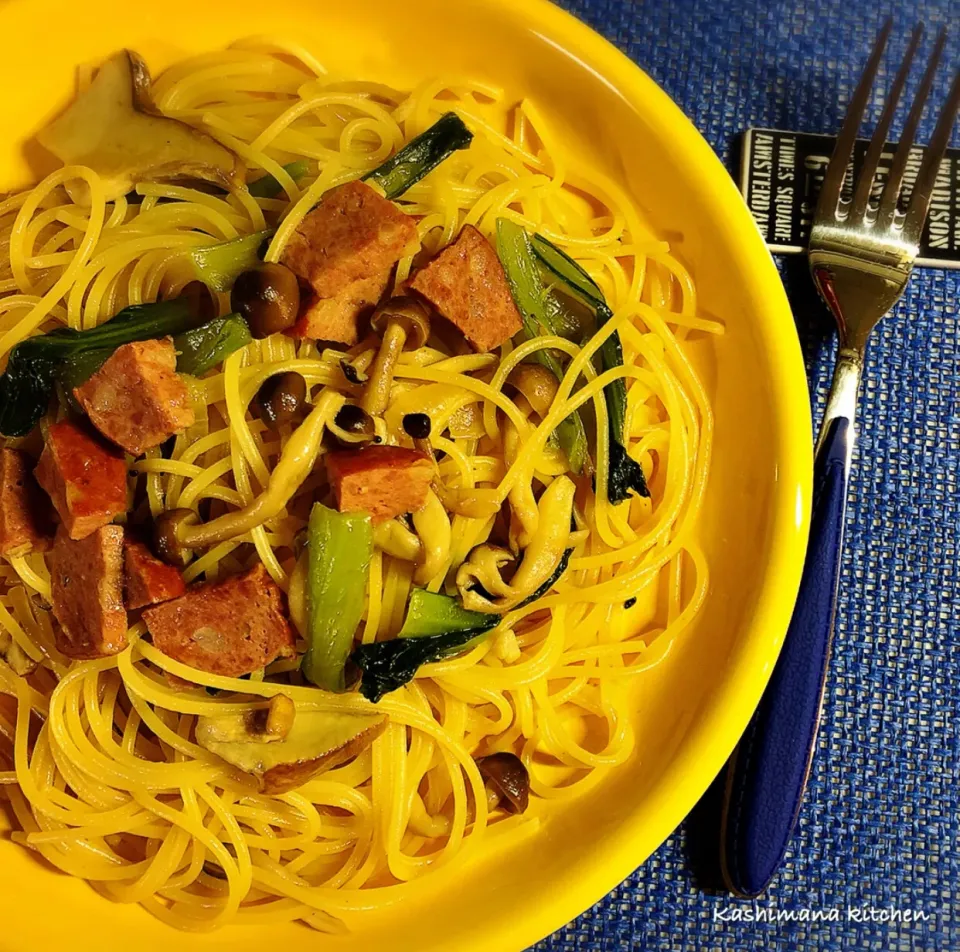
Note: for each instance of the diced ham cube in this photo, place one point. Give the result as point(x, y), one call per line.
point(85, 478)
point(385, 481)
point(25, 515)
point(337, 319)
point(147, 580)
point(344, 251)
point(86, 579)
point(137, 399)
point(228, 628)
point(467, 285)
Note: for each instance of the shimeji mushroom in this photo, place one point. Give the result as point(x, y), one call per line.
point(281, 399)
point(353, 425)
point(507, 779)
point(400, 321)
point(114, 128)
point(179, 530)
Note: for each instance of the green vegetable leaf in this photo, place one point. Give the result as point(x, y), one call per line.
point(25, 389)
point(625, 474)
point(436, 627)
point(523, 275)
point(571, 273)
point(339, 548)
point(210, 344)
point(31, 375)
point(268, 187)
point(429, 613)
point(388, 665)
point(421, 155)
point(219, 265)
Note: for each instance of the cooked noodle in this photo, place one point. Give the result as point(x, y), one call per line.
point(106, 782)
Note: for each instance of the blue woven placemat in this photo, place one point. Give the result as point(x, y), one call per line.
point(879, 834)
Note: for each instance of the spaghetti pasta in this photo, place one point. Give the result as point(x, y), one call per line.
point(103, 774)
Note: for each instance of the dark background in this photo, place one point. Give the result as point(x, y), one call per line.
point(881, 823)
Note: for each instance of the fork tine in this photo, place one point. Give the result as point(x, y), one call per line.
point(864, 186)
point(927, 176)
point(891, 192)
point(837, 169)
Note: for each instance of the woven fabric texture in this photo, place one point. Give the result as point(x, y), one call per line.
point(879, 833)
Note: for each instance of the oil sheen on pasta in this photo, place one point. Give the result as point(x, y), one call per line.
point(105, 782)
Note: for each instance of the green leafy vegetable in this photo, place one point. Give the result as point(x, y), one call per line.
point(268, 187)
point(431, 614)
point(339, 548)
point(625, 472)
point(31, 375)
point(209, 345)
point(523, 275)
point(436, 627)
point(219, 265)
point(389, 665)
point(565, 268)
point(421, 155)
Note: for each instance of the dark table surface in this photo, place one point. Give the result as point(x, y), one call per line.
point(877, 851)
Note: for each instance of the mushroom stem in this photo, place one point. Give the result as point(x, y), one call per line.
point(402, 321)
point(280, 715)
point(376, 394)
point(433, 526)
point(397, 541)
point(425, 446)
point(295, 463)
point(525, 514)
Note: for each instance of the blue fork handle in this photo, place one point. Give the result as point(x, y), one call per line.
point(768, 772)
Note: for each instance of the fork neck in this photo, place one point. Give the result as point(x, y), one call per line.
point(844, 393)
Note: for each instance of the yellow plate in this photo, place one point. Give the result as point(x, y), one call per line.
point(694, 706)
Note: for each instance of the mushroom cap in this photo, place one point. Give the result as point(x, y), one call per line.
point(166, 535)
point(114, 128)
point(506, 773)
point(408, 312)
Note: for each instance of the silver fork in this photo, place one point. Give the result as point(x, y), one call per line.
point(861, 254)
